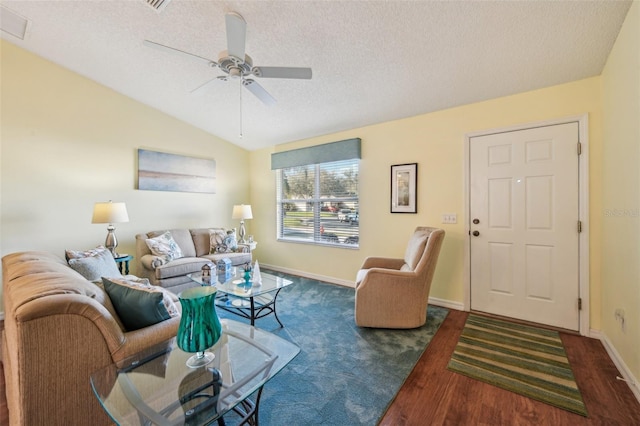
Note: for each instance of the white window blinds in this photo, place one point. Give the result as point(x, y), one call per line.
point(318, 202)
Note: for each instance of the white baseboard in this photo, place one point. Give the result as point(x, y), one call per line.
point(458, 306)
point(304, 274)
point(627, 376)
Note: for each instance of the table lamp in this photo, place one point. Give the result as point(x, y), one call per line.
point(199, 327)
point(110, 213)
point(242, 212)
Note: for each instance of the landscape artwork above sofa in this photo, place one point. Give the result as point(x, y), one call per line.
point(161, 171)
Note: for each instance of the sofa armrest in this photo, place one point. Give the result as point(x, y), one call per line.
point(139, 340)
point(74, 304)
point(243, 248)
point(151, 262)
point(382, 262)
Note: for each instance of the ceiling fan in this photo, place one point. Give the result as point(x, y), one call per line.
point(236, 64)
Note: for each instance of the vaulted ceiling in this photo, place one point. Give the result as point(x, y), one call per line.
point(372, 61)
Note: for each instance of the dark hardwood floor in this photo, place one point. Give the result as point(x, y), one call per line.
point(432, 395)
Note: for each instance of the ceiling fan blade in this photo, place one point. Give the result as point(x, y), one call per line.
point(200, 90)
point(258, 91)
point(282, 72)
point(236, 34)
point(168, 49)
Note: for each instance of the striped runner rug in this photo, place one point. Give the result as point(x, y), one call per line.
point(527, 360)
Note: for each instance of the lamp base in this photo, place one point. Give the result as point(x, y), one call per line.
point(200, 359)
point(111, 242)
point(243, 232)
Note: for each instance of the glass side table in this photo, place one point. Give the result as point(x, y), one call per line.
point(157, 387)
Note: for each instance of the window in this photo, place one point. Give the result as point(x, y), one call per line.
point(317, 193)
point(318, 203)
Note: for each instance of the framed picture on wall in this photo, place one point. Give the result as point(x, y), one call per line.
point(404, 188)
point(162, 171)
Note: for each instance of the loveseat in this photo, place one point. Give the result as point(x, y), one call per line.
point(196, 247)
point(59, 327)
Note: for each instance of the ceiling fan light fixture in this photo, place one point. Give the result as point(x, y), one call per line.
point(235, 73)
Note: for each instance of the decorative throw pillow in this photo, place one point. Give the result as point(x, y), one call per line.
point(78, 254)
point(231, 241)
point(216, 241)
point(139, 304)
point(165, 246)
point(94, 267)
point(221, 241)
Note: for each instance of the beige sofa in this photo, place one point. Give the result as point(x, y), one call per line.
point(195, 245)
point(58, 329)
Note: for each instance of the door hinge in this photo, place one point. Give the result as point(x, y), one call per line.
point(579, 226)
point(579, 148)
point(579, 303)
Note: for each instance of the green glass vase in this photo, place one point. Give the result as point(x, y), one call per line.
point(199, 327)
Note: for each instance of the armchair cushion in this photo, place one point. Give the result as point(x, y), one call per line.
point(139, 304)
point(415, 250)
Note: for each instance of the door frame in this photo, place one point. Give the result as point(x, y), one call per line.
point(583, 206)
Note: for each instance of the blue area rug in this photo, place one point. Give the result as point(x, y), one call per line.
point(344, 374)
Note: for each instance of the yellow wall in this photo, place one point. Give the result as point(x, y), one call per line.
point(68, 142)
point(436, 142)
point(621, 192)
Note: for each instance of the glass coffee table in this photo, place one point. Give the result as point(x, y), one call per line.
point(252, 301)
point(157, 387)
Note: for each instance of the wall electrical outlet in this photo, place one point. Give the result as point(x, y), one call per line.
point(619, 315)
point(449, 218)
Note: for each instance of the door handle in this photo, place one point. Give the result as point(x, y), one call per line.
point(476, 233)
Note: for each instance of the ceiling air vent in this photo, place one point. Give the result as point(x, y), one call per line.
point(12, 23)
point(158, 5)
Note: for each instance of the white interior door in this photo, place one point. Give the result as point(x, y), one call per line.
point(524, 259)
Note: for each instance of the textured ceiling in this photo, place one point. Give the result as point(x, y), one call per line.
point(372, 61)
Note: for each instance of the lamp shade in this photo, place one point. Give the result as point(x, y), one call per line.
point(110, 213)
point(242, 212)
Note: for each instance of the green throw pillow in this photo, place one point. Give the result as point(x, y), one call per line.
point(139, 305)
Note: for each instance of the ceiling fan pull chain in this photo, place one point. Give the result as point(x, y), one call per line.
point(240, 86)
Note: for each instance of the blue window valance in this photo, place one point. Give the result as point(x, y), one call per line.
point(326, 153)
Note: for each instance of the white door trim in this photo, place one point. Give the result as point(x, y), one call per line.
point(583, 168)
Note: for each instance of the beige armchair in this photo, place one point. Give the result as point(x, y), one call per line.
point(394, 293)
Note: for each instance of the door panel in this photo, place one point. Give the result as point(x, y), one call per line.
point(501, 255)
point(524, 192)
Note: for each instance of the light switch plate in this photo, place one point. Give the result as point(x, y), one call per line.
point(449, 218)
